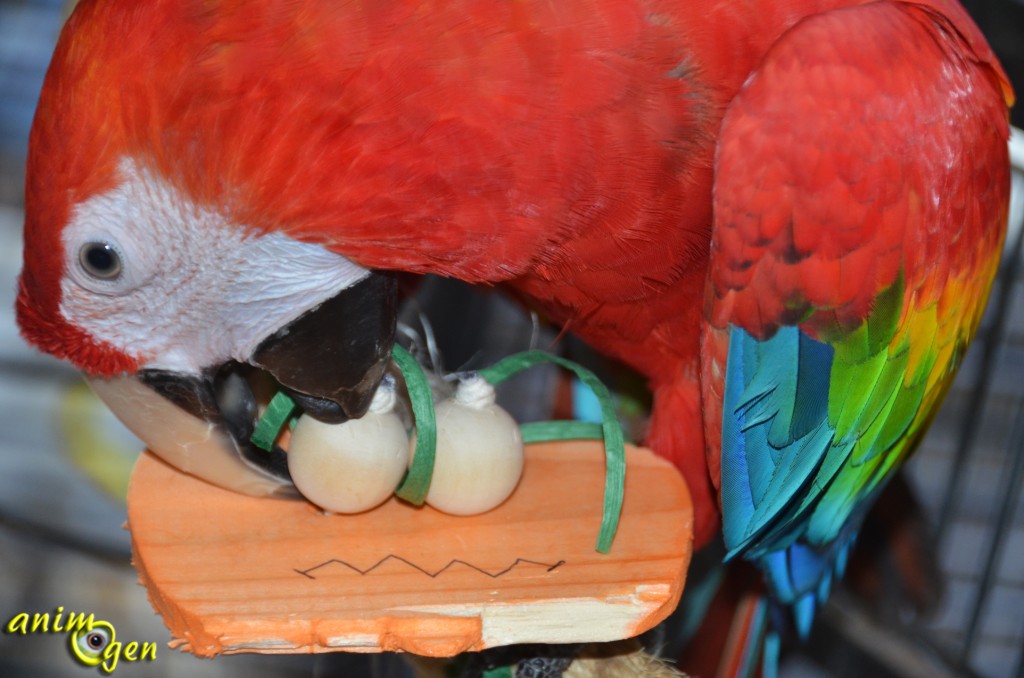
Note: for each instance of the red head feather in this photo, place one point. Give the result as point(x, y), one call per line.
point(72, 155)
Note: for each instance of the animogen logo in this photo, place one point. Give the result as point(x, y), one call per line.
point(93, 642)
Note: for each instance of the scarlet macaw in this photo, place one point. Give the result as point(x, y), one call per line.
point(786, 214)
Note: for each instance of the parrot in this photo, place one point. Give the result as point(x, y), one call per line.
point(786, 215)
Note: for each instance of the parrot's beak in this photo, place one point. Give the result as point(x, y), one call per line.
point(330, 360)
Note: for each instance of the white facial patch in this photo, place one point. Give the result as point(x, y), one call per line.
point(191, 290)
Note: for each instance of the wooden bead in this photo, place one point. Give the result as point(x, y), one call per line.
point(354, 466)
point(479, 456)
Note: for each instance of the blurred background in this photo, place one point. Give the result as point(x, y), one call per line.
point(937, 588)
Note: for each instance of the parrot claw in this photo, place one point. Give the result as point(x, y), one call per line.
point(330, 360)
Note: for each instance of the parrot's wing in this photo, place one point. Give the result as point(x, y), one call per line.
point(860, 197)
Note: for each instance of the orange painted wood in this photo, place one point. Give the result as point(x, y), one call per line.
point(231, 573)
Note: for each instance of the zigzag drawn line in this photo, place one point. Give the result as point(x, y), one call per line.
point(432, 575)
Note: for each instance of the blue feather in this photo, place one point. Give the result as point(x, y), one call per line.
point(803, 614)
point(772, 652)
point(768, 455)
point(779, 455)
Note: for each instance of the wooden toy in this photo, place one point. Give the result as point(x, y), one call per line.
point(233, 573)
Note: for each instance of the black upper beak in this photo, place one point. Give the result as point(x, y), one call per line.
point(332, 358)
point(330, 361)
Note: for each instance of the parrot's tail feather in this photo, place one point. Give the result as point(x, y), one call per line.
point(740, 630)
point(746, 641)
point(801, 578)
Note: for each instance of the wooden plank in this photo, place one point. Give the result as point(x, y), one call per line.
point(231, 573)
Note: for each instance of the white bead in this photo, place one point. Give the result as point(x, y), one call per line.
point(479, 457)
point(350, 467)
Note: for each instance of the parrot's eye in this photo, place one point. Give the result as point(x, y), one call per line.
point(100, 260)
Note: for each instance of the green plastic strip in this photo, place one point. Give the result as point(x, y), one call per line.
point(417, 480)
point(499, 672)
point(547, 431)
point(278, 413)
point(614, 442)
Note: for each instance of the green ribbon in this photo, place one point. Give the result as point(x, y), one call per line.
point(278, 413)
point(611, 431)
point(549, 431)
point(414, 486)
